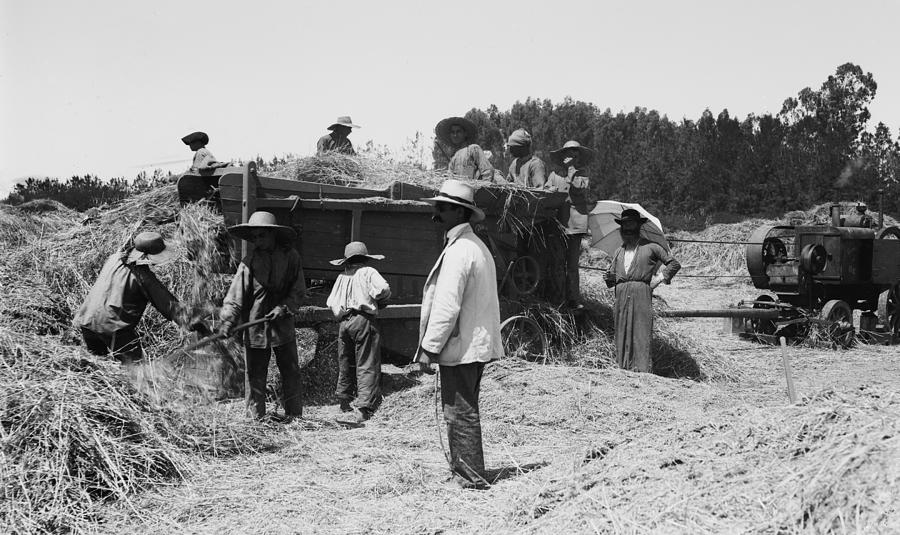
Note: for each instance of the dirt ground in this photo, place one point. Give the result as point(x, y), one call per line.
point(576, 450)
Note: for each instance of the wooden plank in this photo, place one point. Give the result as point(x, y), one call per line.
point(248, 199)
point(356, 224)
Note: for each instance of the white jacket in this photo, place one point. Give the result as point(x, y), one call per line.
point(460, 309)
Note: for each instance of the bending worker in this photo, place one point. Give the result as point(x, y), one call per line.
point(117, 300)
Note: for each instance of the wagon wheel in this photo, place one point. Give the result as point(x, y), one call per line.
point(523, 337)
point(525, 275)
point(839, 331)
point(889, 233)
point(761, 326)
point(889, 311)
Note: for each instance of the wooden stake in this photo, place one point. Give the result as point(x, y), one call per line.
point(788, 375)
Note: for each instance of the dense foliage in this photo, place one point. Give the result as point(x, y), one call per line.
point(816, 149)
point(83, 192)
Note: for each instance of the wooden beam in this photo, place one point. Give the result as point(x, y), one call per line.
point(248, 199)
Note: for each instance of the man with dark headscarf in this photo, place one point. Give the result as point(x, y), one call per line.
point(526, 169)
point(633, 273)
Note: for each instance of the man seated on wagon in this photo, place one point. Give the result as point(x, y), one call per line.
point(337, 140)
point(458, 151)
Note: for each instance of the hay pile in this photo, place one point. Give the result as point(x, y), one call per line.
point(78, 431)
point(826, 466)
point(367, 171)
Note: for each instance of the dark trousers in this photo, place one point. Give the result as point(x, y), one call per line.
point(359, 361)
point(257, 369)
point(124, 345)
point(460, 386)
point(573, 258)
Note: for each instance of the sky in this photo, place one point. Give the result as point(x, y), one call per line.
point(109, 87)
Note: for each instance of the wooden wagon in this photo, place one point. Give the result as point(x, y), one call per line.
point(395, 222)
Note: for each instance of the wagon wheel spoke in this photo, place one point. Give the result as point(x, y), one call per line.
point(523, 337)
point(525, 275)
point(839, 331)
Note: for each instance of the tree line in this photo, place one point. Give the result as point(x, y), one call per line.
point(816, 149)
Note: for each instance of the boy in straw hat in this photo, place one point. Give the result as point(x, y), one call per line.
point(460, 325)
point(269, 284)
point(357, 295)
point(573, 158)
point(337, 139)
point(203, 158)
point(117, 300)
point(457, 151)
point(633, 274)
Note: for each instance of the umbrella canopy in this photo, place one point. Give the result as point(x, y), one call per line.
point(605, 233)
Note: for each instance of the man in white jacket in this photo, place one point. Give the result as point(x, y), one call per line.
point(460, 325)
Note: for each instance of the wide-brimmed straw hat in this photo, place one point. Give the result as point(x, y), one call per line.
point(196, 136)
point(356, 248)
point(442, 130)
point(519, 138)
point(458, 192)
point(630, 214)
point(585, 155)
point(343, 120)
point(265, 221)
point(150, 248)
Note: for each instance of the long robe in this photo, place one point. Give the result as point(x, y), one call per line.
point(633, 312)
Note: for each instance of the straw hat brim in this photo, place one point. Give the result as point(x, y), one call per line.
point(243, 230)
point(585, 155)
point(341, 261)
point(142, 259)
point(477, 213)
point(442, 130)
point(348, 125)
point(620, 221)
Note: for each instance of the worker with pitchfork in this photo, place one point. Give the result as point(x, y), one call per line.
point(459, 327)
point(269, 284)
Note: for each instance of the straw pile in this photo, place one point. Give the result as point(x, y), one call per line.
point(826, 466)
point(74, 432)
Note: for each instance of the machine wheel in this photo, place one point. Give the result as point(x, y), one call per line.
point(523, 337)
point(889, 233)
point(763, 326)
point(525, 275)
point(889, 311)
point(839, 331)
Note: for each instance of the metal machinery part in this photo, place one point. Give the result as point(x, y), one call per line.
point(888, 233)
point(763, 326)
point(889, 311)
point(523, 337)
point(838, 328)
point(763, 250)
point(525, 275)
point(813, 258)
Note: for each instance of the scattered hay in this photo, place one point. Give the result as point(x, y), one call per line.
point(78, 431)
point(826, 466)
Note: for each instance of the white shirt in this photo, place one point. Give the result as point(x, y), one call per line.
point(358, 288)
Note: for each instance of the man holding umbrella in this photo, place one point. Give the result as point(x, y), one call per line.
point(633, 273)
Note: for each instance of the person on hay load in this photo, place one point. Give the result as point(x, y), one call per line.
point(269, 283)
point(459, 327)
point(526, 169)
point(337, 140)
point(633, 273)
point(203, 158)
point(572, 159)
point(357, 295)
point(115, 303)
point(456, 138)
